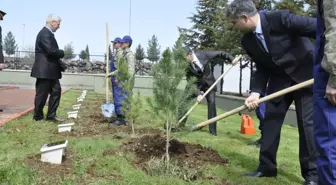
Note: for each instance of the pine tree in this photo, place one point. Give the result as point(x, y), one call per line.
point(88, 53)
point(211, 29)
point(153, 50)
point(139, 56)
point(10, 45)
point(167, 98)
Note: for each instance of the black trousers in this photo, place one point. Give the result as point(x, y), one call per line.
point(43, 88)
point(274, 117)
point(212, 112)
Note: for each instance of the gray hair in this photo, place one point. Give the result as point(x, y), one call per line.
point(53, 17)
point(239, 7)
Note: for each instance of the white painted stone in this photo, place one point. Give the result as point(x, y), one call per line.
point(53, 154)
point(65, 127)
point(73, 115)
point(76, 107)
point(80, 100)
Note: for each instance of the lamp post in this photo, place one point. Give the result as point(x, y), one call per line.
point(129, 21)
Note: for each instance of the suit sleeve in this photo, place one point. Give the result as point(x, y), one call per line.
point(51, 50)
point(329, 59)
point(218, 57)
point(298, 25)
point(261, 76)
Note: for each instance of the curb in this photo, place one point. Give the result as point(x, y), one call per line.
point(25, 112)
point(8, 88)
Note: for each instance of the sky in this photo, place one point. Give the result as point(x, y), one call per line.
point(84, 23)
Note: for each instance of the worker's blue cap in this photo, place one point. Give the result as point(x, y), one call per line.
point(126, 39)
point(116, 40)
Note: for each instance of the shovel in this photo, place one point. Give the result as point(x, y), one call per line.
point(261, 100)
point(234, 62)
point(107, 109)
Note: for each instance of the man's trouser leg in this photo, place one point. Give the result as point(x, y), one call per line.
point(212, 112)
point(324, 129)
point(274, 116)
point(42, 89)
point(307, 149)
point(54, 98)
point(119, 98)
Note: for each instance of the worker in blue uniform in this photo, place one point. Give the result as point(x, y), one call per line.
point(325, 91)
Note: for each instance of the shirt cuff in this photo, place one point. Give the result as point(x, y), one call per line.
point(332, 81)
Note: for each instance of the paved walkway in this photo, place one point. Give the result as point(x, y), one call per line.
point(15, 102)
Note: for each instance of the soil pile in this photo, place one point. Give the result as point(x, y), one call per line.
point(155, 146)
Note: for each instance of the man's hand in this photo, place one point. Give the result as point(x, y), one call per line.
point(200, 97)
point(331, 95)
point(252, 101)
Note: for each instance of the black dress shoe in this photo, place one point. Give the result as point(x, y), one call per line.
point(257, 142)
point(118, 122)
point(55, 119)
point(309, 182)
point(261, 174)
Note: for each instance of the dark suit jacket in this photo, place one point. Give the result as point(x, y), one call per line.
point(286, 35)
point(47, 56)
point(209, 59)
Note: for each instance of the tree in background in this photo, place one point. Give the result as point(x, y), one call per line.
point(83, 55)
point(153, 50)
point(69, 51)
point(10, 45)
point(139, 56)
point(87, 52)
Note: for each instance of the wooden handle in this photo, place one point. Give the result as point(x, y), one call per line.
point(107, 64)
point(234, 62)
point(261, 100)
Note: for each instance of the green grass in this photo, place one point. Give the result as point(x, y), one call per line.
point(23, 137)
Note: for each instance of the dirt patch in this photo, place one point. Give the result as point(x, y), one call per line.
point(154, 146)
point(51, 172)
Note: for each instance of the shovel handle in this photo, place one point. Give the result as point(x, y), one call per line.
point(234, 62)
point(261, 100)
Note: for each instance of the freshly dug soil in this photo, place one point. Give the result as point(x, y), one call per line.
point(149, 146)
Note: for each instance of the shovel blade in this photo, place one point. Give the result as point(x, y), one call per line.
point(108, 110)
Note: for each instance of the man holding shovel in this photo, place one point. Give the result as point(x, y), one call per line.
point(201, 66)
point(325, 91)
point(277, 41)
point(114, 66)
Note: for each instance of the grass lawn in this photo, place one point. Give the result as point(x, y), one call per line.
point(89, 162)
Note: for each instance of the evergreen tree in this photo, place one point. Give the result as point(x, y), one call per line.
point(167, 98)
point(10, 45)
point(211, 29)
point(83, 55)
point(139, 56)
point(87, 52)
point(153, 50)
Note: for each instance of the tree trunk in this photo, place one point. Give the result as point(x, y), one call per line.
point(167, 144)
point(240, 77)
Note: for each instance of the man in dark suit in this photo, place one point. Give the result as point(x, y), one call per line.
point(277, 41)
point(47, 70)
point(201, 66)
